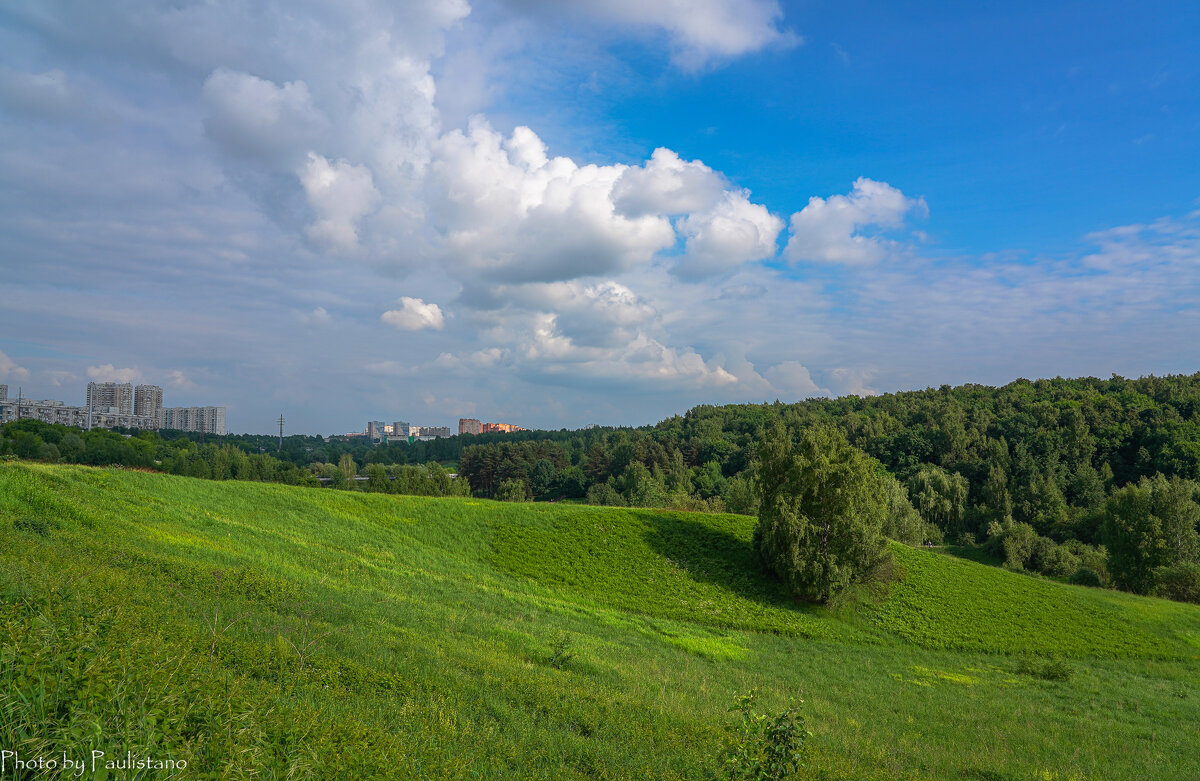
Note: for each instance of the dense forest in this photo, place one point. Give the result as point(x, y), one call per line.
point(1084, 478)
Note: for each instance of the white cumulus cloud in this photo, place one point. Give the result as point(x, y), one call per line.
point(414, 315)
point(340, 194)
point(667, 184)
point(831, 230)
point(110, 373)
point(253, 117)
point(176, 378)
point(9, 369)
point(511, 214)
point(734, 232)
point(700, 31)
point(792, 379)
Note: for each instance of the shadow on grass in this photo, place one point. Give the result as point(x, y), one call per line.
point(717, 557)
point(974, 553)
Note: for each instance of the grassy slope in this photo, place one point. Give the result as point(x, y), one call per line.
point(442, 613)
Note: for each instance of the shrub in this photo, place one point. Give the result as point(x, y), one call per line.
point(605, 494)
point(561, 652)
point(1055, 560)
point(35, 525)
point(741, 493)
point(1018, 542)
point(1180, 582)
point(1050, 670)
point(765, 747)
point(1055, 670)
point(512, 491)
point(1085, 576)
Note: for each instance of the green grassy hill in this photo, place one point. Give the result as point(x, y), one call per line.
point(264, 631)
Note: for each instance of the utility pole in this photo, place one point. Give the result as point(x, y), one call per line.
point(19, 402)
point(281, 432)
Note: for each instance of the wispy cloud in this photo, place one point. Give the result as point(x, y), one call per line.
point(9, 369)
point(109, 373)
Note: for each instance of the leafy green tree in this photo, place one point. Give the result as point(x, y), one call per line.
point(542, 477)
point(71, 445)
point(377, 478)
point(572, 483)
point(1048, 507)
point(1085, 576)
point(903, 523)
point(1134, 537)
point(1085, 488)
point(822, 510)
point(605, 494)
point(741, 492)
point(349, 469)
point(641, 487)
point(512, 491)
point(1150, 525)
point(27, 444)
point(709, 481)
point(765, 746)
point(1015, 542)
point(1180, 582)
point(940, 497)
point(1177, 503)
point(996, 504)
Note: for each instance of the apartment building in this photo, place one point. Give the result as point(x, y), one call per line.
point(110, 397)
point(206, 420)
point(148, 401)
point(49, 411)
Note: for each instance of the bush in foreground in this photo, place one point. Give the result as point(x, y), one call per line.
point(765, 747)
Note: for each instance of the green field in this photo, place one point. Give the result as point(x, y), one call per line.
point(263, 631)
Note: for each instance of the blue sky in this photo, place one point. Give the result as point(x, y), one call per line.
point(558, 214)
point(1027, 124)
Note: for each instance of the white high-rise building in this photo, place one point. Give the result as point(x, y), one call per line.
point(206, 420)
point(110, 397)
point(148, 401)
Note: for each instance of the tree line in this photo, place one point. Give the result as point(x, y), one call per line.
point(1084, 479)
point(1090, 479)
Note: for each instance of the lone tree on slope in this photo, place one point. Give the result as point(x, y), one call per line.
point(821, 514)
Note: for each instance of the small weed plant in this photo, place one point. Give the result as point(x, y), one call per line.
point(765, 747)
point(561, 651)
point(1049, 670)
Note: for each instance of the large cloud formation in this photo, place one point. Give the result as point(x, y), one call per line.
point(510, 213)
point(218, 168)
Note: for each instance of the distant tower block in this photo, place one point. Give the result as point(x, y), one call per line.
point(148, 401)
point(114, 396)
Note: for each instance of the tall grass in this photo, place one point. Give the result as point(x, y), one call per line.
point(262, 631)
